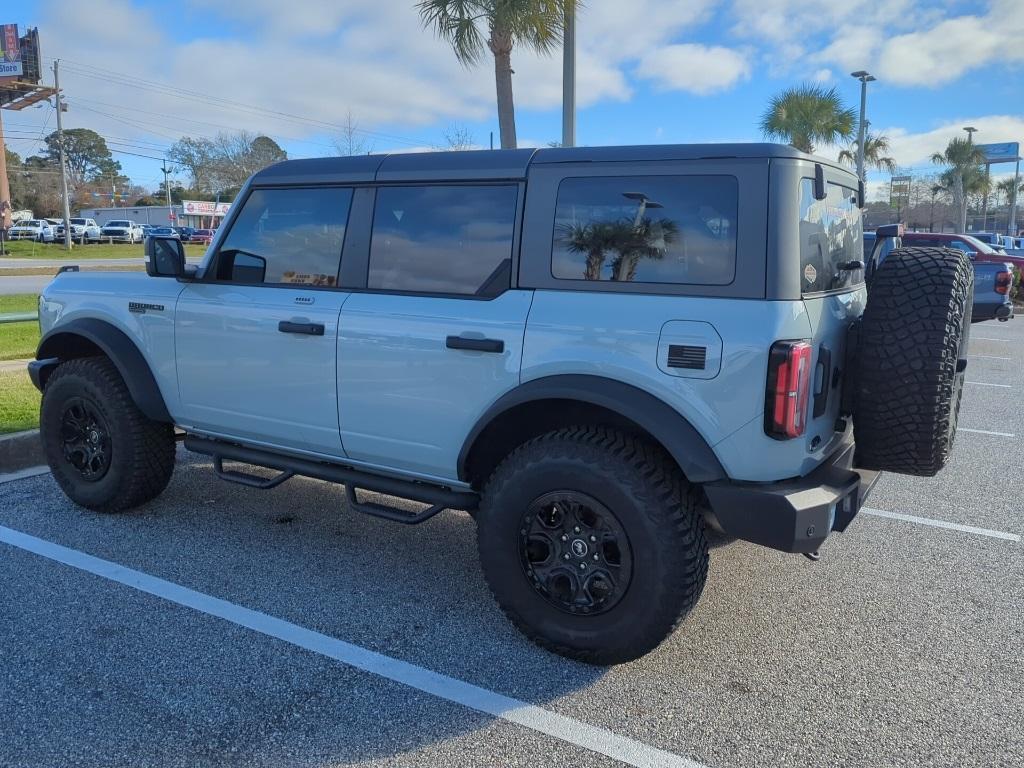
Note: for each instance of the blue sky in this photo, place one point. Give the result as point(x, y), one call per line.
point(143, 73)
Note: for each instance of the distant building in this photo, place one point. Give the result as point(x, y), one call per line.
point(199, 214)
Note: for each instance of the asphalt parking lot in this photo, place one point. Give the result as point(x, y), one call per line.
point(225, 626)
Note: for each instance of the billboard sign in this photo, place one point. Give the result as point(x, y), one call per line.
point(899, 191)
point(10, 51)
point(204, 208)
point(1007, 152)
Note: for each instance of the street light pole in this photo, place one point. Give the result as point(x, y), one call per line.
point(864, 78)
point(63, 163)
point(569, 76)
point(167, 188)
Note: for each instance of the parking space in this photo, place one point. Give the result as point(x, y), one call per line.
point(901, 647)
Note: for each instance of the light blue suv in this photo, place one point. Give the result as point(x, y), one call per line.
point(599, 353)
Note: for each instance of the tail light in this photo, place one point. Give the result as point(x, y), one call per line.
point(788, 390)
point(1003, 282)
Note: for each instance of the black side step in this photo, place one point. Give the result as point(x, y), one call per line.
point(438, 497)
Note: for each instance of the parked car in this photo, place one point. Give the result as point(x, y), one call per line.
point(163, 232)
point(969, 244)
point(39, 230)
point(988, 238)
point(204, 236)
point(993, 281)
point(600, 351)
point(185, 233)
point(82, 230)
point(122, 231)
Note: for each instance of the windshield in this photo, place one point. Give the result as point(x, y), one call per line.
point(117, 224)
point(30, 223)
point(78, 221)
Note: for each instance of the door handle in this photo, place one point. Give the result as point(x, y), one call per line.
point(476, 345)
point(312, 329)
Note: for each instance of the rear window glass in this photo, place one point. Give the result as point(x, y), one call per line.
point(831, 237)
point(646, 229)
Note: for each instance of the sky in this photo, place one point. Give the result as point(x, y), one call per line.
point(144, 73)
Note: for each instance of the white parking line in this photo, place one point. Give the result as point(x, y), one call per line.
point(985, 432)
point(989, 338)
point(990, 357)
point(986, 384)
point(941, 524)
point(536, 718)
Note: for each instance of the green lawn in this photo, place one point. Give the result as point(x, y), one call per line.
point(23, 249)
point(19, 402)
point(18, 341)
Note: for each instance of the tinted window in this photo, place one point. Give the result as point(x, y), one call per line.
point(646, 229)
point(443, 239)
point(296, 233)
point(830, 236)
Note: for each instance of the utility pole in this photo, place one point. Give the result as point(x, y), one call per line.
point(569, 76)
point(167, 187)
point(6, 205)
point(1011, 228)
point(864, 78)
point(63, 163)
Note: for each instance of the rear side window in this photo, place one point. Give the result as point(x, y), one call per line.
point(453, 239)
point(646, 229)
point(287, 237)
point(831, 236)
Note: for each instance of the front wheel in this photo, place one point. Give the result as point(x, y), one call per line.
point(103, 451)
point(591, 543)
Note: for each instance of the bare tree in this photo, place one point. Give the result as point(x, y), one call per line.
point(457, 137)
point(352, 139)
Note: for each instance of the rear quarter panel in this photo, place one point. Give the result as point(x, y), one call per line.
point(616, 336)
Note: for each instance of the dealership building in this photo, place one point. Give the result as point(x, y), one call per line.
point(198, 214)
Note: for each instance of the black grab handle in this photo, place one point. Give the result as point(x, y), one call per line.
point(313, 329)
point(477, 345)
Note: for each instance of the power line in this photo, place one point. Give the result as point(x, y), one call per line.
point(110, 76)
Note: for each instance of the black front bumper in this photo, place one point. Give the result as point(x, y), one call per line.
point(793, 515)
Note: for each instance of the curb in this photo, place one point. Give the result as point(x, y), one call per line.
point(21, 450)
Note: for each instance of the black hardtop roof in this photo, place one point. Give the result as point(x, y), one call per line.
point(502, 163)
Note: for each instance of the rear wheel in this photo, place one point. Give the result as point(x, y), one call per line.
point(591, 543)
point(103, 452)
point(911, 357)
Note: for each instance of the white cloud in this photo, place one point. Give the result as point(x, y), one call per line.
point(905, 42)
point(914, 150)
point(695, 68)
point(823, 76)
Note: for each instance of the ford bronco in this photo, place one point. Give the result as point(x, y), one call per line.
point(599, 353)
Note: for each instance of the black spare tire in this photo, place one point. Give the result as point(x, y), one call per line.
point(910, 360)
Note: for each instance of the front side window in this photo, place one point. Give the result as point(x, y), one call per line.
point(646, 229)
point(287, 237)
point(831, 237)
point(454, 239)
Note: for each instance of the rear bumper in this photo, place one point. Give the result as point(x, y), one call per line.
point(793, 515)
point(995, 309)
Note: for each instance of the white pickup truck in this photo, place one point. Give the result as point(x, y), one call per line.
point(82, 230)
point(122, 231)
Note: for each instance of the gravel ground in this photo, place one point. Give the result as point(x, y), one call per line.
point(901, 647)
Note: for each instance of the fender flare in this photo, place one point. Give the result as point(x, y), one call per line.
point(116, 345)
point(665, 424)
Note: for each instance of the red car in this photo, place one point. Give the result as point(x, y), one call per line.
point(203, 236)
point(978, 250)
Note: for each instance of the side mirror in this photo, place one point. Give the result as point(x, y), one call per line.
point(165, 257)
point(820, 192)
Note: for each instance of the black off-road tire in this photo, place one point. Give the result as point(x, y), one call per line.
point(140, 451)
point(911, 356)
point(651, 502)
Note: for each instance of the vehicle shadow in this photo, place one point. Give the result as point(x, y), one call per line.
point(414, 593)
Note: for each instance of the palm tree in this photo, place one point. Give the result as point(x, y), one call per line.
point(595, 240)
point(644, 240)
point(473, 26)
point(807, 115)
point(1005, 188)
point(963, 174)
point(875, 148)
